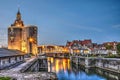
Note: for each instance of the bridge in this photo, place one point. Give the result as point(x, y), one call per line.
point(58, 55)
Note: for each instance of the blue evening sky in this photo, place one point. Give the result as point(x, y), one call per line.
point(62, 20)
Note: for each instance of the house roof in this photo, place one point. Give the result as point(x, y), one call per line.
point(9, 53)
point(84, 42)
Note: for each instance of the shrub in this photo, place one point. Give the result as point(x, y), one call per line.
point(5, 78)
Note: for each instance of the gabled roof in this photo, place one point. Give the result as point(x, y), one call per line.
point(84, 42)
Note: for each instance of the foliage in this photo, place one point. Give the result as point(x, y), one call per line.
point(109, 47)
point(118, 48)
point(112, 56)
point(5, 78)
point(92, 55)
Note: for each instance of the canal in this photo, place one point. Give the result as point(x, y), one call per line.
point(65, 70)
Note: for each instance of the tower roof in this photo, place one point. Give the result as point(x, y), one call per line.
point(18, 16)
point(18, 22)
point(18, 11)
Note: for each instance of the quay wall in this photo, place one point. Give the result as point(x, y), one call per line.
point(30, 70)
point(106, 74)
point(110, 64)
point(36, 65)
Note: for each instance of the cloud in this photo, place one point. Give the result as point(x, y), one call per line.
point(116, 26)
point(90, 28)
point(96, 29)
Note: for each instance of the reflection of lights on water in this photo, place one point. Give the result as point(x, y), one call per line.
point(49, 67)
point(64, 64)
point(51, 60)
point(58, 64)
point(68, 63)
point(63, 70)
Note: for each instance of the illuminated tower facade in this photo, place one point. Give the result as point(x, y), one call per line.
point(30, 38)
point(21, 37)
point(15, 33)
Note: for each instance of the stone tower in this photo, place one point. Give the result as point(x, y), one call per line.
point(15, 33)
point(31, 38)
point(21, 37)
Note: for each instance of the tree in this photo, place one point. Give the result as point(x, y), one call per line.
point(118, 48)
point(109, 47)
point(109, 53)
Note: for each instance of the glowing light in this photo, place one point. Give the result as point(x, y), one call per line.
point(31, 39)
point(18, 24)
point(86, 51)
point(24, 49)
point(78, 51)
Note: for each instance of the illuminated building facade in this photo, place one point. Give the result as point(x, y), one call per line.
point(21, 37)
point(79, 47)
point(30, 38)
point(52, 49)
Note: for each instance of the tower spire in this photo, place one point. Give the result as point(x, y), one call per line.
point(18, 22)
point(18, 16)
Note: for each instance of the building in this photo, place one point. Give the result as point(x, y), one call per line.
point(29, 43)
point(52, 49)
point(105, 48)
point(10, 57)
point(21, 37)
point(110, 45)
point(79, 47)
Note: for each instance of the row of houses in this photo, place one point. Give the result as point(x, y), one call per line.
point(88, 47)
point(81, 47)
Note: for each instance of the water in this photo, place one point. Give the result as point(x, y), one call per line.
point(66, 71)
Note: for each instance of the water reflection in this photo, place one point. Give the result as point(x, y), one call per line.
point(66, 71)
point(56, 65)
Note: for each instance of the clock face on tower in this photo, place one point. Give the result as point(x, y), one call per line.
point(11, 34)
